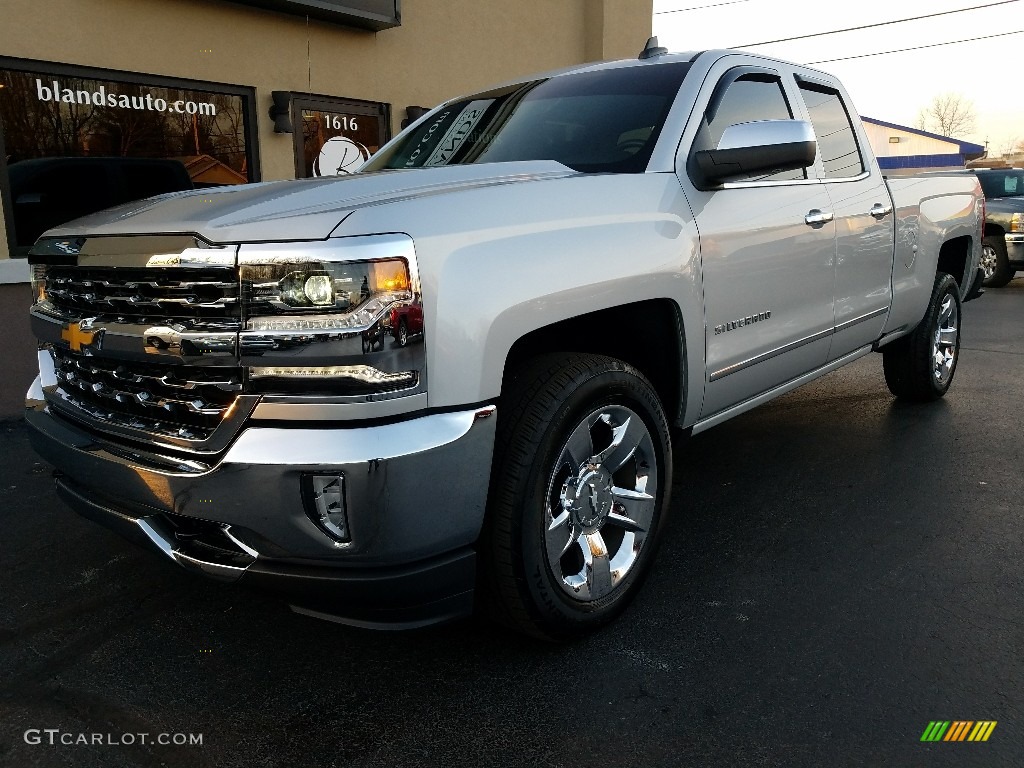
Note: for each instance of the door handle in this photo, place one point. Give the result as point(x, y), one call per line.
point(880, 211)
point(816, 218)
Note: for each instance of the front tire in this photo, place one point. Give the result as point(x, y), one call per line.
point(579, 487)
point(921, 365)
point(995, 264)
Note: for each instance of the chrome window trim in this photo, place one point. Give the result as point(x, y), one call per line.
point(760, 184)
point(791, 183)
point(847, 179)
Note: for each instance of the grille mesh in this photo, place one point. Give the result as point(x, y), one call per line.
point(177, 401)
point(146, 294)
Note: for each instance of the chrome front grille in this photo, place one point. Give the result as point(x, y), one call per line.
point(145, 294)
point(171, 400)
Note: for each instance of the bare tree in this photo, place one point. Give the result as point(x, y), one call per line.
point(948, 114)
point(1010, 145)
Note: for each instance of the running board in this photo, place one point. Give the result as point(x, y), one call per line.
point(782, 389)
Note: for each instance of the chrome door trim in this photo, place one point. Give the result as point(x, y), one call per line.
point(737, 367)
point(848, 323)
point(764, 397)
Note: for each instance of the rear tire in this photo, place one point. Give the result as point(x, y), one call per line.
point(994, 262)
point(920, 366)
point(579, 488)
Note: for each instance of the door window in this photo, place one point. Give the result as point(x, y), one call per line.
point(837, 141)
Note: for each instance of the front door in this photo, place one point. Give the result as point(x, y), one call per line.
point(767, 257)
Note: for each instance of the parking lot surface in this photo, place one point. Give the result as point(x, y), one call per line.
point(839, 571)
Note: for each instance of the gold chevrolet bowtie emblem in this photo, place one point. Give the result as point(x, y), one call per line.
point(77, 337)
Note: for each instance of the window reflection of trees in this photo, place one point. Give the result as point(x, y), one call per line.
point(34, 128)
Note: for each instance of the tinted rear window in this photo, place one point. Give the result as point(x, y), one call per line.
point(1009, 184)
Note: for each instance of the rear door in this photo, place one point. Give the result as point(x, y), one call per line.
point(864, 218)
point(767, 250)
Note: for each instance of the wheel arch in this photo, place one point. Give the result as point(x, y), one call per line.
point(649, 335)
point(954, 259)
point(993, 230)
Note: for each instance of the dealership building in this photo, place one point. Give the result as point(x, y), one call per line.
point(104, 101)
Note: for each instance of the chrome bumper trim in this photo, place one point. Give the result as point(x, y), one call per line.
point(155, 533)
point(329, 447)
point(402, 498)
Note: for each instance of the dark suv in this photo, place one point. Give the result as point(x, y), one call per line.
point(1003, 251)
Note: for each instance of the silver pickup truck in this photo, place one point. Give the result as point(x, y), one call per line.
point(592, 258)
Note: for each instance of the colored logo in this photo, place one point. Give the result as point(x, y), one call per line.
point(77, 336)
point(958, 730)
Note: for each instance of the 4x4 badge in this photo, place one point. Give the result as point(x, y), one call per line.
point(79, 335)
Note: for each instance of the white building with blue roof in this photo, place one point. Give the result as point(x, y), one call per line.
point(902, 150)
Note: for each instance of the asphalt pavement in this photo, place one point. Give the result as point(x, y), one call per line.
point(839, 571)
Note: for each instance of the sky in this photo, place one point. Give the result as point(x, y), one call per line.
point(893, 87)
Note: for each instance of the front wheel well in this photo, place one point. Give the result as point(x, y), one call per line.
point(648, 335)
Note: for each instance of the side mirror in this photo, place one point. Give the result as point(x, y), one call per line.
point(764, 146)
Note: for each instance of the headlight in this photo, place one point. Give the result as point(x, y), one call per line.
point(317, 317)
point(1017, 222)
point(323, 295)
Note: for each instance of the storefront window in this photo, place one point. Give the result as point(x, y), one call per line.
point(75, 144)
point(338, 135)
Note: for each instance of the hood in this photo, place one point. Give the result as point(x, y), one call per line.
point(306, 209)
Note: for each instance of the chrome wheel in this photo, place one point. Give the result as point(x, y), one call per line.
point(403, 334)
point(944, 344)
point(600, 502)
point(989, 260)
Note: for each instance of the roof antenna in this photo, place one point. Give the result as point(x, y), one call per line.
point(652, 49)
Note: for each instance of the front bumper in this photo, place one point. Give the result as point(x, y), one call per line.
point(415, 494)
point(1015, 250)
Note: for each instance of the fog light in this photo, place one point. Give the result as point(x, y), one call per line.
point(325, 504)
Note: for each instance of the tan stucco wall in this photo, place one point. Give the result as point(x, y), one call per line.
point(441, 49)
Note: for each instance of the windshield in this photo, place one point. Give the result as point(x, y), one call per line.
point(1002, 184)
point(603, 121)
